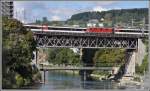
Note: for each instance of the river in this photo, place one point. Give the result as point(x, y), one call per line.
point(64, 80)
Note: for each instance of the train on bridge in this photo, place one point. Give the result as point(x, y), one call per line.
point(45, 28)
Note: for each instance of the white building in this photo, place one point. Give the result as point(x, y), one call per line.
point(94, 23)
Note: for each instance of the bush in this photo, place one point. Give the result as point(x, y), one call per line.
point(37, 77)
point(109, 57)
point(63, 56)
point(137, 79)
point(143, 67)
point(101, 72)
point(6, 83)
point(27, 81)
point(19, 80)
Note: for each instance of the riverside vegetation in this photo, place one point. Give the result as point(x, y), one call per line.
point(91, 57)
point(17, 48)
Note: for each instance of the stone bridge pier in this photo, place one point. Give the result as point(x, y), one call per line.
point(134, 56)
point(130, 59)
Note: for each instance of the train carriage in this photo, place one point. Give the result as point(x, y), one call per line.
point(45, 28)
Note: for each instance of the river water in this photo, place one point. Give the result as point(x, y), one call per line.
point(64, 80)
point(56, 80)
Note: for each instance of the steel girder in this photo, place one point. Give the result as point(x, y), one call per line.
point(85, 41)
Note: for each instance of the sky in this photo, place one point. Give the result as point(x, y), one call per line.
point(29, 11)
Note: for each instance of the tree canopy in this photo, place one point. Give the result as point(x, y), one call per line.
point(109, 57)
point(63, 56)
point(17, 48)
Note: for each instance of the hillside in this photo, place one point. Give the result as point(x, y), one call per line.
point(115, 16)
point(122, 17)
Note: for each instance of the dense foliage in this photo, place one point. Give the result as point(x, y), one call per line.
point(143, 68)
point(64, 56)
point(109, 57)
point(90, 57)
point(17, 48)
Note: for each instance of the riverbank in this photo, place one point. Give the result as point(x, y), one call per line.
point(129, 82)
point(98, 77)
point(71, 72)
point(125, 82)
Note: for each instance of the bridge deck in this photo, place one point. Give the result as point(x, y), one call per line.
point(91, 34)
point(75, 68)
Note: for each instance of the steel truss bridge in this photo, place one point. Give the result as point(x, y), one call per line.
point(86, 40)
point(89, 40)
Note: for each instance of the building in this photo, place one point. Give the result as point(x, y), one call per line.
point(7, 8)
point(94, 23)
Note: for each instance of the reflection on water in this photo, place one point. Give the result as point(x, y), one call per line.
point(63, 80)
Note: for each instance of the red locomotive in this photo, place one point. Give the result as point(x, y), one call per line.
point(100, 30)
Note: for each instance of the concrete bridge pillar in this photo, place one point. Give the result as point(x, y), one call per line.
point(133, 57)
point(130, 62)
point(81, 53)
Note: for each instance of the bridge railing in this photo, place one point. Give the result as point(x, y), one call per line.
point(67, 65)
point(102, 64)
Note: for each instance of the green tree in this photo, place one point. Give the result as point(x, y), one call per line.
point(109, 57)
point(17, 48)
point(141, 69)
point(63, 56)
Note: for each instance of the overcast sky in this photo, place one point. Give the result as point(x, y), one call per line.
point(29, 11)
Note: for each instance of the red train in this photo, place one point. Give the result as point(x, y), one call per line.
point(46, 28)
point(100, 30)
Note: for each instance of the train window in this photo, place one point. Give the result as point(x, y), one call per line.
point(146, 31)
point(130, 31)
point(32, 27)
